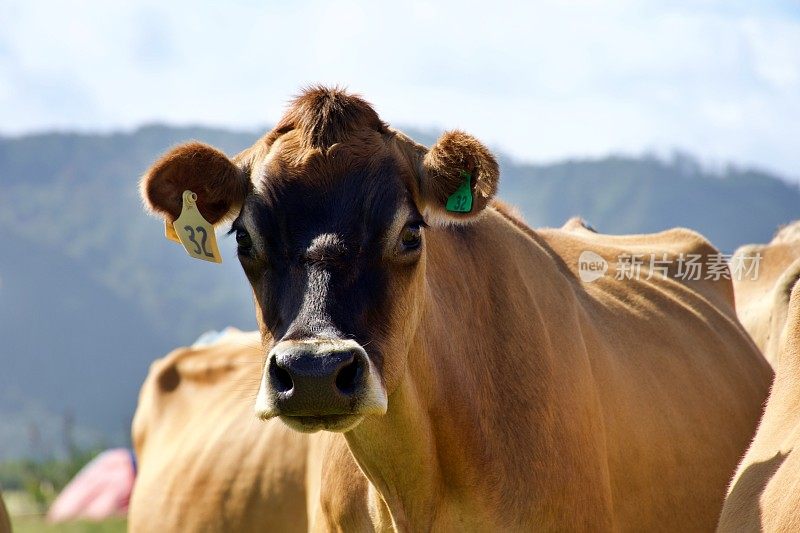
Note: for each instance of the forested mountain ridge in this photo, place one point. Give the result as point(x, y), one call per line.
point(91, 292)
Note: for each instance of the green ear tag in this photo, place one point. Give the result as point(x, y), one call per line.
point(461, 200)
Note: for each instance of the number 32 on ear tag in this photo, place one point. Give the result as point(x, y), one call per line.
point(195, 233)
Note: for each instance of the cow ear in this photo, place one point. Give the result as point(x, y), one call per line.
point(459, 177)
point(220, 185)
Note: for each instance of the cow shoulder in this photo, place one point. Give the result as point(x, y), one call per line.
point(788, 233)
point(170, 377)
point(205, 461)
point(630, 257)
point(578, 224)
point(762, 295)
point(763, 494)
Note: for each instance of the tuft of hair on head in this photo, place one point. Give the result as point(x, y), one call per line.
point(328, 115)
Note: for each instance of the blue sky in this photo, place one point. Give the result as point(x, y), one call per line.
point(541, 80)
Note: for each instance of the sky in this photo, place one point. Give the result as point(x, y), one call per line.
point(540, 80)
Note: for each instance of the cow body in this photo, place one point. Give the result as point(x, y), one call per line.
point(762, 300)
point(764, 495)
point(479, 383)
point(596, 408)
point(207, 464)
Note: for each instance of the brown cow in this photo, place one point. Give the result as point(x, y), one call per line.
point(5, 521)
point(764, 494)
point(762, 300)
point(480, 385)
point(207, 464)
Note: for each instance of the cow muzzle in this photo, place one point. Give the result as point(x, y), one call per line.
point(320, 384)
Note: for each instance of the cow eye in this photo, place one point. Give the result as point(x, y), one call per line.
point(411, 237)
point(243, 240)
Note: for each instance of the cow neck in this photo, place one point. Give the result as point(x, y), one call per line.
point(422, 455)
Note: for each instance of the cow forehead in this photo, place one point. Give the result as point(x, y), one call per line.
point(351, 176)
point(290, 158)
point(357, 205)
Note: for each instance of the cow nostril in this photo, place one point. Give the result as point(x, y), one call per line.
point(349, 376)
point(281, 379)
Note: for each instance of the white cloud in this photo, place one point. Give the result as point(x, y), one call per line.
point(543, 80)
point(775, 45)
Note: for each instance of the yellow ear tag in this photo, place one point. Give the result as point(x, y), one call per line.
point(195, 233)
point(169, 232)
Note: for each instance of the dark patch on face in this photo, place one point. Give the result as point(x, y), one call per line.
point(169, 379)
point(341, 286)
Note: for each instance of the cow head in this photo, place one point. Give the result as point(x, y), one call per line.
point(331, 209)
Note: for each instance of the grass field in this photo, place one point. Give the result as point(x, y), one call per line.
point(37, 524)
point(27, 517)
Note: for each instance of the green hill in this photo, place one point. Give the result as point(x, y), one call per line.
point(627, 195)
point(91, 292)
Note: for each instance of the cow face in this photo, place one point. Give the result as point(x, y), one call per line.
point(331, 210)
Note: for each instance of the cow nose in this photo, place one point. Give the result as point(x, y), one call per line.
point(307, 383)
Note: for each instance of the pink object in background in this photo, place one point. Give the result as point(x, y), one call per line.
point(100, 490)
